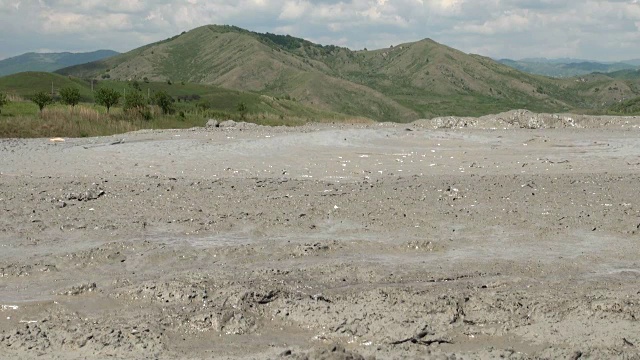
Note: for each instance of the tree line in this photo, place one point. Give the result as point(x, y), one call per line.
point(105, 97)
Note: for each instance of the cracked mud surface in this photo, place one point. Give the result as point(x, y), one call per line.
point(323, 242)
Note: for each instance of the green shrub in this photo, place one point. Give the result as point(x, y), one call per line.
point(70, 96)
point(107, 97)
point(42, 99)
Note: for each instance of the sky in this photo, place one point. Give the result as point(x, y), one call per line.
point(585, 29)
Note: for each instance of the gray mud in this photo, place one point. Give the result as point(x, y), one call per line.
point(510, 238)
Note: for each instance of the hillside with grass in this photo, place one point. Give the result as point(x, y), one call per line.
point(49, 61)
point(402, 83)
point(192, 105)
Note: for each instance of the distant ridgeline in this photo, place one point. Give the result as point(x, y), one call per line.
point(49, 61)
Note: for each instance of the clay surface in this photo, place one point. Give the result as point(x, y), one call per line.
point(513, 236)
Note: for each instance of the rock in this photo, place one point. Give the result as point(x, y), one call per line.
point(227, 124)
point(211, 123)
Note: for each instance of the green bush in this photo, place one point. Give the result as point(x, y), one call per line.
point(42, 99)
point(164, 101)
point(3, 100)
point(107, 97)
point(135, 103)
point(70, 96)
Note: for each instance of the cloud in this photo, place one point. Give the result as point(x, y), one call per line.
point(598, 29)
point(294, 9)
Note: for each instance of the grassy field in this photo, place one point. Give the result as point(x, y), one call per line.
point(23, 120)
point(194, 104)
point(189, 97)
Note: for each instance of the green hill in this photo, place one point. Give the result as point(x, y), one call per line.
point(49, 61)
point(28, 83)
point(402, 83)
point(188, 95)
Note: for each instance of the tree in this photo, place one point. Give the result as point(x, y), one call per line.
point(134, 100)
point(164, 101)
point(136, 85)
point(136, 103)
point(70, 96)
point(42, 99)
point(107, 97)
point(3, 100)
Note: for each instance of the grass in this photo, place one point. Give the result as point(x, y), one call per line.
point(22, 119)
point(55, 121)
point(629, 107)
point(28, 83)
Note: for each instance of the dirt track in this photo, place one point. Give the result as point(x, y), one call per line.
point(325, 242)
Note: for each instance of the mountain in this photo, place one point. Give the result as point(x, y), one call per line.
point(553, 60)
point(634, 62)
point(566, 67)
point(49, 61)
point(402, 83)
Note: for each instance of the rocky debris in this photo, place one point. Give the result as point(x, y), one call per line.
point(334, 352)
point(525, 119)
point(88, 195)
point(228, 124)
point(452, 122)
point(15, 270)
point(212, 123)
point(424, 245)
point(80, 289)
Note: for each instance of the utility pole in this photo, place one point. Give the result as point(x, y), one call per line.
point(52, 89)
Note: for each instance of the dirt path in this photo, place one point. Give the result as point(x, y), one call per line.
point(324, 242)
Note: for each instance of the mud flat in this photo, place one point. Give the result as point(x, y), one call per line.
point(512, 236)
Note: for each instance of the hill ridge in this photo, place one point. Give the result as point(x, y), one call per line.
point(401, 83)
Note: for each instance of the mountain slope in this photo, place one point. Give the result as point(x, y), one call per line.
point(402, 83)
point(237, 59)
point(49, 61)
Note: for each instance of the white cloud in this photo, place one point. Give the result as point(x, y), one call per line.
point(294, 9)
point(499, 28)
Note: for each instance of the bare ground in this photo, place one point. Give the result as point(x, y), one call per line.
point(326, 242)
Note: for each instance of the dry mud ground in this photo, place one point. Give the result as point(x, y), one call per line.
point(324, 242)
